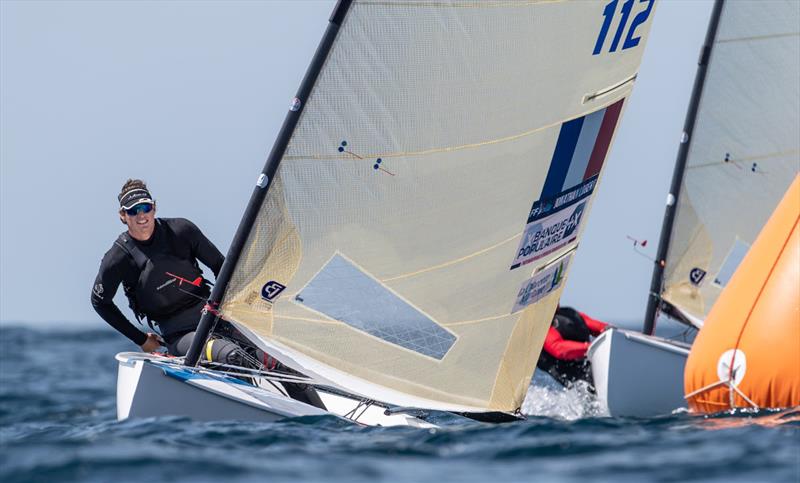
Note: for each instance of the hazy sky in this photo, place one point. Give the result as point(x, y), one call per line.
point(190, 95)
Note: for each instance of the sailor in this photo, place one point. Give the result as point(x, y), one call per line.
point(564, 353)
point(157, 262)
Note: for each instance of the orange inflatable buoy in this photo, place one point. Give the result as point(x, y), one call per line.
point(748, 352)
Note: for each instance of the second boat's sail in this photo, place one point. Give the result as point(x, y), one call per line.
point(413, 244)
point(743, 154)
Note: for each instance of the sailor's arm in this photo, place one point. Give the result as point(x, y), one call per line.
point(564, 349)
point(202, 248)
point(594, 325)
point(105, 287)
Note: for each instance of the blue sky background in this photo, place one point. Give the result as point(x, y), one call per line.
point(190, 96)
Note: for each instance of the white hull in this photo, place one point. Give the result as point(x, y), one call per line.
point(636, 374)
point(153, 386)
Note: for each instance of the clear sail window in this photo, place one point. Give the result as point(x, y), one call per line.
point(344, 292)
point(731, 263)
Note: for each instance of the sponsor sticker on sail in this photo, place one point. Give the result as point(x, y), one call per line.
point(545, 236)
point(271, 290)
point(578, 157)
point(540, 285)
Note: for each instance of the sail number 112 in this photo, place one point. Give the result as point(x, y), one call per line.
point(608, 16)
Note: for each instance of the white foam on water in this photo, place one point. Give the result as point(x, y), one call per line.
point(546, 397)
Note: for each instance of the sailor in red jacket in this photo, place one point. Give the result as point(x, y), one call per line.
point(564, 353)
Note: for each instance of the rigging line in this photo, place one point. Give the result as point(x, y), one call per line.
point(484, 4)
point(263, 372)
point(778, 154)
point(758, 37)
point(246, 371)
point(269, 376)
point(683, 335)
point(275, 385)
point(452, 262)
point(351, 414)
point(366, 406)
point(255, 376)
point(448, 149)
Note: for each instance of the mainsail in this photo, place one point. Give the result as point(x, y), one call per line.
point(742, 154)
point(415, 233)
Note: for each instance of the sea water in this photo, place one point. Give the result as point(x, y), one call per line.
point(57, 423)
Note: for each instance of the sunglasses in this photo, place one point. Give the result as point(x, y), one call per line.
point(141, 208)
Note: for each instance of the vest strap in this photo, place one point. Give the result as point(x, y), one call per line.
point(127, 244)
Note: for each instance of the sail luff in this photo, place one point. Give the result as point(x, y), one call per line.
point(265, 180)
point(654, 300)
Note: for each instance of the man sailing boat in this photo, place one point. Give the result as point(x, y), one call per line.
point(563, 355)
point(157, 262)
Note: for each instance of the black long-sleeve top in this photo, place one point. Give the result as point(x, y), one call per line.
point(117, 267)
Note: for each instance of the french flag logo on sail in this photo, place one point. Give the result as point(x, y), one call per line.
point(578, 157)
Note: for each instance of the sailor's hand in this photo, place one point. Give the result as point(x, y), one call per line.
point(152, 344)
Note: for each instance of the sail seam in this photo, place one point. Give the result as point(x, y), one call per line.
point(475, 321)
point(425, 152)
point(453, 262)
point(758, 37)
point(335, 321)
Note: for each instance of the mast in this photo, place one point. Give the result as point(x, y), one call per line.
point(265, 180)
point(657, 282)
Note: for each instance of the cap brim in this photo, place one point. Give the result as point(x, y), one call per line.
point(137, 202)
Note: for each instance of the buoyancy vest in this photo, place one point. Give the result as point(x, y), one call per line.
point(167, 283)
point(569, 323)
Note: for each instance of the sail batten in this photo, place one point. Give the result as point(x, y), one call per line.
point(419, 229)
